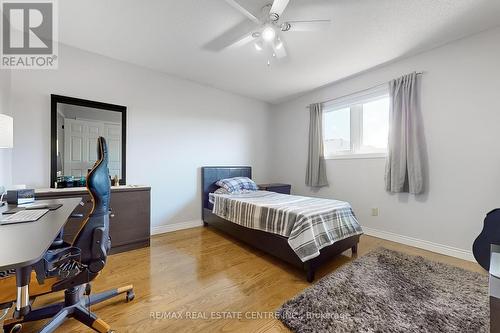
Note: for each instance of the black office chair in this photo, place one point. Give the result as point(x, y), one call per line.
point(71, 267)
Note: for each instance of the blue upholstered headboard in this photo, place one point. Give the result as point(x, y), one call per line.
point(211, 174)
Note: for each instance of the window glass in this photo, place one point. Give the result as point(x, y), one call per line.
point(375, 124)
point(360, 128)
point(337, 131)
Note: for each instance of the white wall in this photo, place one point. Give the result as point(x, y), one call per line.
point(174, 127)
point(5, 154)
point(460, 90)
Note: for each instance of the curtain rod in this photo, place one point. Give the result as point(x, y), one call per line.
point(378, 85)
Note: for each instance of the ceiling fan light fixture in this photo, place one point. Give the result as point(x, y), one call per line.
point(285, 26)
point(268, 33)
point(279, 44)
point(258, 46)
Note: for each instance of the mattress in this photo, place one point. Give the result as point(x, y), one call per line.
point(310, 224)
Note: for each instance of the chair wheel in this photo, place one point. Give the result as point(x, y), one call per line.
point(130, 296)
point(16, 328)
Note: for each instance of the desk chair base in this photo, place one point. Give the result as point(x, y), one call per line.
point(76, 305)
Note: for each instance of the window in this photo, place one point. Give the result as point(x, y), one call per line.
point(357, 125)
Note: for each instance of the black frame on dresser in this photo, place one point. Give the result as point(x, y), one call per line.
point(272, 244)
point(54, 99)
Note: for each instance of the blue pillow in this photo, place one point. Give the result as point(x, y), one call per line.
point(237, 184)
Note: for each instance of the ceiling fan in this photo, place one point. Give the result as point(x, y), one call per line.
point(265, 30)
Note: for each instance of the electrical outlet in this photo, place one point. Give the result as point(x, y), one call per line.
point(374, 211)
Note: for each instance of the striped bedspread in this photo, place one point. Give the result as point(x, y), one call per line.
point(310, 224)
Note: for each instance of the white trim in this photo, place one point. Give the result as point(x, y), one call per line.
point(422, 244)
point(415, 242)
point(350, 156)
point(161, 229)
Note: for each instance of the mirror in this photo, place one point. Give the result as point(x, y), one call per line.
point(76, 125)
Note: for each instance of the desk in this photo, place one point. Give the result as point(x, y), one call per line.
point(24, 244)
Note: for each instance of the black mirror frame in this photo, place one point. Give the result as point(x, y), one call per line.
point(54, 99)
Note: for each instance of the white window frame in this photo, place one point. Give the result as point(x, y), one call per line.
point(355, 103)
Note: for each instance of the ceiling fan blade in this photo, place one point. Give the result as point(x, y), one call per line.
point(278, 7)
point(243, 10)
point(314, 25)
point(238, 35)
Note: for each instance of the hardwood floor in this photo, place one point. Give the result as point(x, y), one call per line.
point(200, 271)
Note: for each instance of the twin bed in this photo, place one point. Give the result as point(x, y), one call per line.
point(305, 232)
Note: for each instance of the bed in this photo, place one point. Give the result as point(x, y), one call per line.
point(271, 243)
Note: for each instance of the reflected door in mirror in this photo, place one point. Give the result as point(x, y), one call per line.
point(80, 154)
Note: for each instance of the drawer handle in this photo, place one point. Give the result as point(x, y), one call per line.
point(76, 215)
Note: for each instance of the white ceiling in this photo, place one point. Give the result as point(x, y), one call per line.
point(168, 36)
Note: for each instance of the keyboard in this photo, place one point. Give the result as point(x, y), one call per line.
point(23, 216)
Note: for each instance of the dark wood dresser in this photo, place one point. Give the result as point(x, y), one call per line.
point(276, 187)
point(495, 289)
point(130, 221)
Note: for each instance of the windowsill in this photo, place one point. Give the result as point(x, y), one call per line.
point(356, 156)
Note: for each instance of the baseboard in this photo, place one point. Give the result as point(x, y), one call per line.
point(161, 229)
point(422, 244)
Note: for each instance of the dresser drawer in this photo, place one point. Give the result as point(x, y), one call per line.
point(128, 210)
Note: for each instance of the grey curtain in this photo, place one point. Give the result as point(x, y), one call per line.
point(404, 165)
point(316, 171)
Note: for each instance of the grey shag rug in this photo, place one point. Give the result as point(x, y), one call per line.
point(388, 291)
